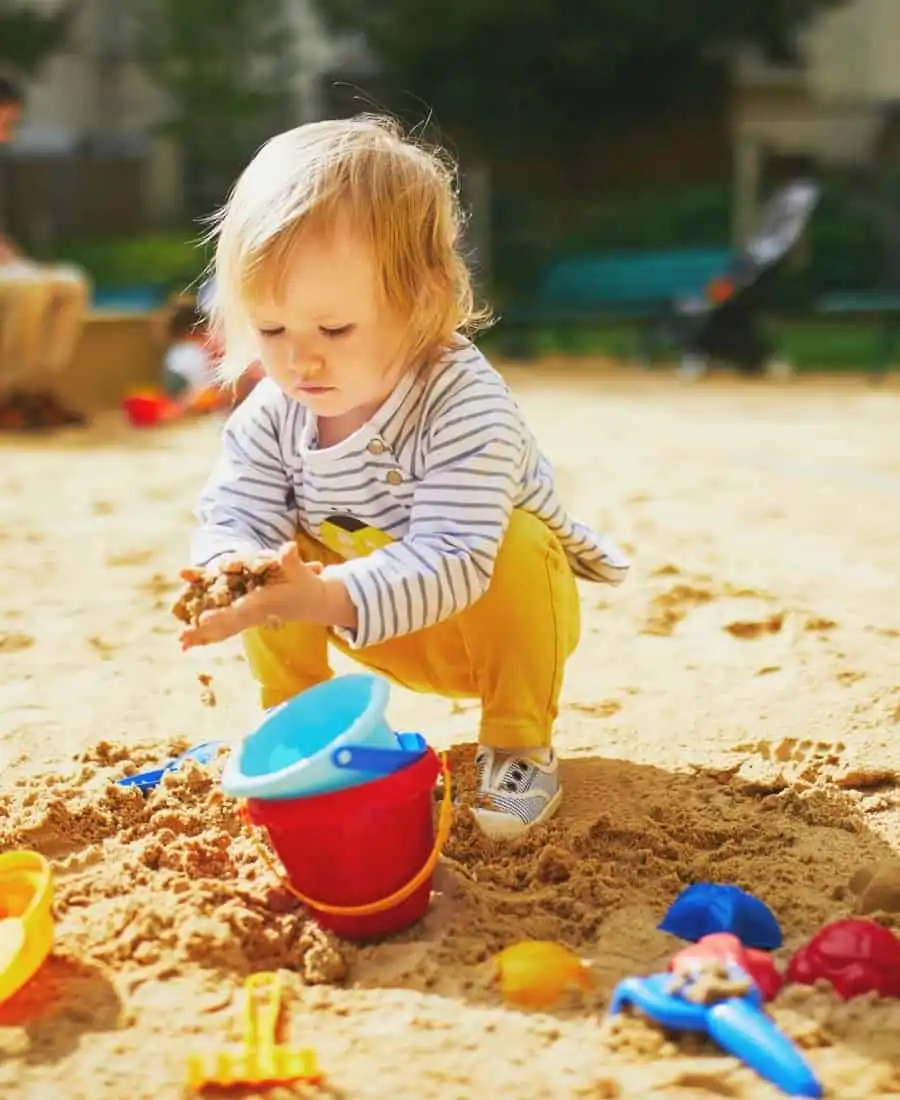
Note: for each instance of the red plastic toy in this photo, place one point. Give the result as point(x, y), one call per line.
point(856, 956)
point(723, 947)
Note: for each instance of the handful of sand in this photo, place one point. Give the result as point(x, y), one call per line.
point(222, 583)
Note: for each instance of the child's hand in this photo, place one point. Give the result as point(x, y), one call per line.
point(298, 596)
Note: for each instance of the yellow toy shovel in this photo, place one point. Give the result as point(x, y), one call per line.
point(261, 1061)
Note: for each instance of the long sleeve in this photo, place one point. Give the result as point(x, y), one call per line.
point(248, 501)
point(460, 513)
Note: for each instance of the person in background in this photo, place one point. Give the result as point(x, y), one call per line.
point(189, 366)
point(191, 363)
point(242, 386)
point(42, 309)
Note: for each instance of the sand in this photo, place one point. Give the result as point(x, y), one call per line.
point(731, 715)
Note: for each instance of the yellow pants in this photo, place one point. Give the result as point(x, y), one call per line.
point(508, 649)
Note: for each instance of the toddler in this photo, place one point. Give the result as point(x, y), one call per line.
point(417, 522)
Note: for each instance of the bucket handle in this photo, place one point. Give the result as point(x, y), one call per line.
point(442, 832)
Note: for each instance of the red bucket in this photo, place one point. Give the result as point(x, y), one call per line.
point(362, 859)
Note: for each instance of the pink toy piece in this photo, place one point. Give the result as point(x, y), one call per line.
point(723, 947)
point(856, 956)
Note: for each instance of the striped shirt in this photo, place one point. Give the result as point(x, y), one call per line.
point(438, 469)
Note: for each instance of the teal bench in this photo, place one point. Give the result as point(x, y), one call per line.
point(633, 287)
point(878, 302)
point(618, 285)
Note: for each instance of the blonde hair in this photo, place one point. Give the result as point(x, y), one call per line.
point(401, 196)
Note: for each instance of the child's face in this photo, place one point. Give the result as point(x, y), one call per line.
point(330, 342)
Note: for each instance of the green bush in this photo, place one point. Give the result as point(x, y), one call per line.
point(170, 261)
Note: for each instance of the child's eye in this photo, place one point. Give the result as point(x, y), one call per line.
point(336, 331)
point(268, 333)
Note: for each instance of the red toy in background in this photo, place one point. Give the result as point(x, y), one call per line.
point(189, 384)
point(856, 956)
point(150, 408)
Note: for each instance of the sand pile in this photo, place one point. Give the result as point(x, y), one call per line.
point(649, 837)
point(160, 881)
point(151, 888)
point(174, 877)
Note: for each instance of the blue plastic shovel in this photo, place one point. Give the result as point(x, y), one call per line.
point(738, 1024)
point(147, 780)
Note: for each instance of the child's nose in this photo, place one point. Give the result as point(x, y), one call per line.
point(304, 363)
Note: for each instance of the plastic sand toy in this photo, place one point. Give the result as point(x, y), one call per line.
point(151, 408)
point(727, 949)
point(26, 922)
point(707, 907)
point(536, 974)
point(261, 1060)
point(732, 1017)
point(147, 780)
point(148, 408)
point(856, 956)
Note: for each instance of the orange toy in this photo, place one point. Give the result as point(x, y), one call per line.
point(207, 400)
point(26, 922)
point(536, 974)
point(261, 1061)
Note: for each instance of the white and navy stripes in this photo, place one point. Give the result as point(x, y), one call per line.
point(439, 468)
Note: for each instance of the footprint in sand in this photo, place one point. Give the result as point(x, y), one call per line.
point(15, 642)
point(159, 492)
point(794, 750)
point(884, 631)
point(134, 557)
point(747, 629)
point(819, 625)
point(105, 649)
point(605, 709)
point(158, 585)
point(794, 759)
point(668, 570)
point(669, 608)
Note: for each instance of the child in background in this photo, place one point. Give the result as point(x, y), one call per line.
point(415, 518)
point(189, 368)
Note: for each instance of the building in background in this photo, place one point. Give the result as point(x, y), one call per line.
point(90, 157)
point(93, 114)
point(837, 107)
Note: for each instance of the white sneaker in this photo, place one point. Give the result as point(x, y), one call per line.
point(515, 792)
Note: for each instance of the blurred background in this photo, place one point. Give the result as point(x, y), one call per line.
point(606, 132)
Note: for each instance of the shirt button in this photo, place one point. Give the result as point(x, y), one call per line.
point(377, 447)
point(394, 477)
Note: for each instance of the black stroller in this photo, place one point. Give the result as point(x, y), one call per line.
point(724, 326)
